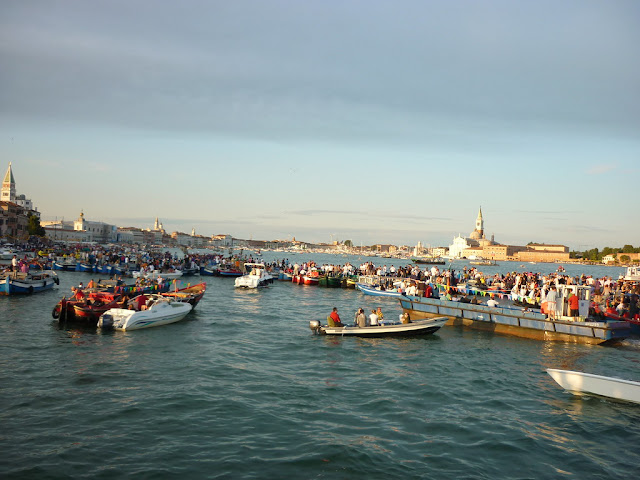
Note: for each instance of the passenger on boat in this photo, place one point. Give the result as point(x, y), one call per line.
point(492, 303)
point(552, 296)
point(361, 318)
point(334, 319)
point(373, 318)
point(428, 292)
point(404, 318)
point(140, 302)
point(573, 306)
point(380, 315)
point(77, 293)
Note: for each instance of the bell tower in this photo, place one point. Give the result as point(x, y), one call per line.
point(8, 186)
point(480, 224)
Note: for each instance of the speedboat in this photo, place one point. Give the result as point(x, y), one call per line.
point(255, 276)
point(161, 311)
point(417, 327)
point(579, 383)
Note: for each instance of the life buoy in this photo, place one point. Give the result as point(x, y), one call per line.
point(56, 311)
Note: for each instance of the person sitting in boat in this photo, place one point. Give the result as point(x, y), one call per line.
point(380, 315)
point(140, 302)
point(405, 318)
point(361, 318)
point(373, 318)
point(91, 284)
point(334, 319)
point(492, 303)
point(77, 294)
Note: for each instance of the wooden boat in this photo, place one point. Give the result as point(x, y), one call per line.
point(335, 281)
point(580, 383)
point(428, 260)
point(311, 279)
point(19, 283)
point(155, 274)
point(68, 265)
point(370, 290)
point(417, 327)
point(191, 294)
point(483, 261)
point(161, 311)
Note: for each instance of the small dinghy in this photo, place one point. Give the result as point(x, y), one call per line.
point(425, 326)
point(580, 383)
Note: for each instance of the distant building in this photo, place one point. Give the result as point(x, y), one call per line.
point(477, 245)
point(80, 230)
point(474, 244)
point(14, 209)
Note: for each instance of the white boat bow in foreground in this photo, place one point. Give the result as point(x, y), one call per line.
point(579, 383)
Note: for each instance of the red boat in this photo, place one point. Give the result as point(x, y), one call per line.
point(191, 294)
point(87, 309)
point(311, 279)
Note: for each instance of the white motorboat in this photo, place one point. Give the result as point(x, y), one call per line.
point(255, 275)
point(418, 327)
point(580, 383)
point(632, 274)
point(160, 312)
point(155, 274)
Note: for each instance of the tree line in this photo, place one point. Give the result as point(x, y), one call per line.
point(597, 255)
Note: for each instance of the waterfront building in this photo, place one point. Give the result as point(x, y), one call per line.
point(477, 245)
point(80, 230)
point(14, 209)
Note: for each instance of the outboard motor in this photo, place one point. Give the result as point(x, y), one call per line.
point(105, 321)
point(315, 326)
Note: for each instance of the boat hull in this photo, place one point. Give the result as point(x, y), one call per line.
point(419, 327)
point(26, 284)
point(580, 383)
point(127, 320)
point(515, 321)
point(367, 290)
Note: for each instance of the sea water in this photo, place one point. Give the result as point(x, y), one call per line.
point(242, 389)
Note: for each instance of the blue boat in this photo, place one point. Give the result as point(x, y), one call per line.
point(370, 290)
point(66, 265)
point(18, 283)
point(84, 267)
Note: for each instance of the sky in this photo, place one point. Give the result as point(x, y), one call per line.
point(370, 121)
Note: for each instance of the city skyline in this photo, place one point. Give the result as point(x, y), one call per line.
point(373, 122)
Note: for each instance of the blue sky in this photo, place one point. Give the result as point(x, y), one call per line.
point(385, 122)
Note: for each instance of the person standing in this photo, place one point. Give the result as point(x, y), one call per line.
point(552, 297)
point(14, 263)
point(573, 305)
